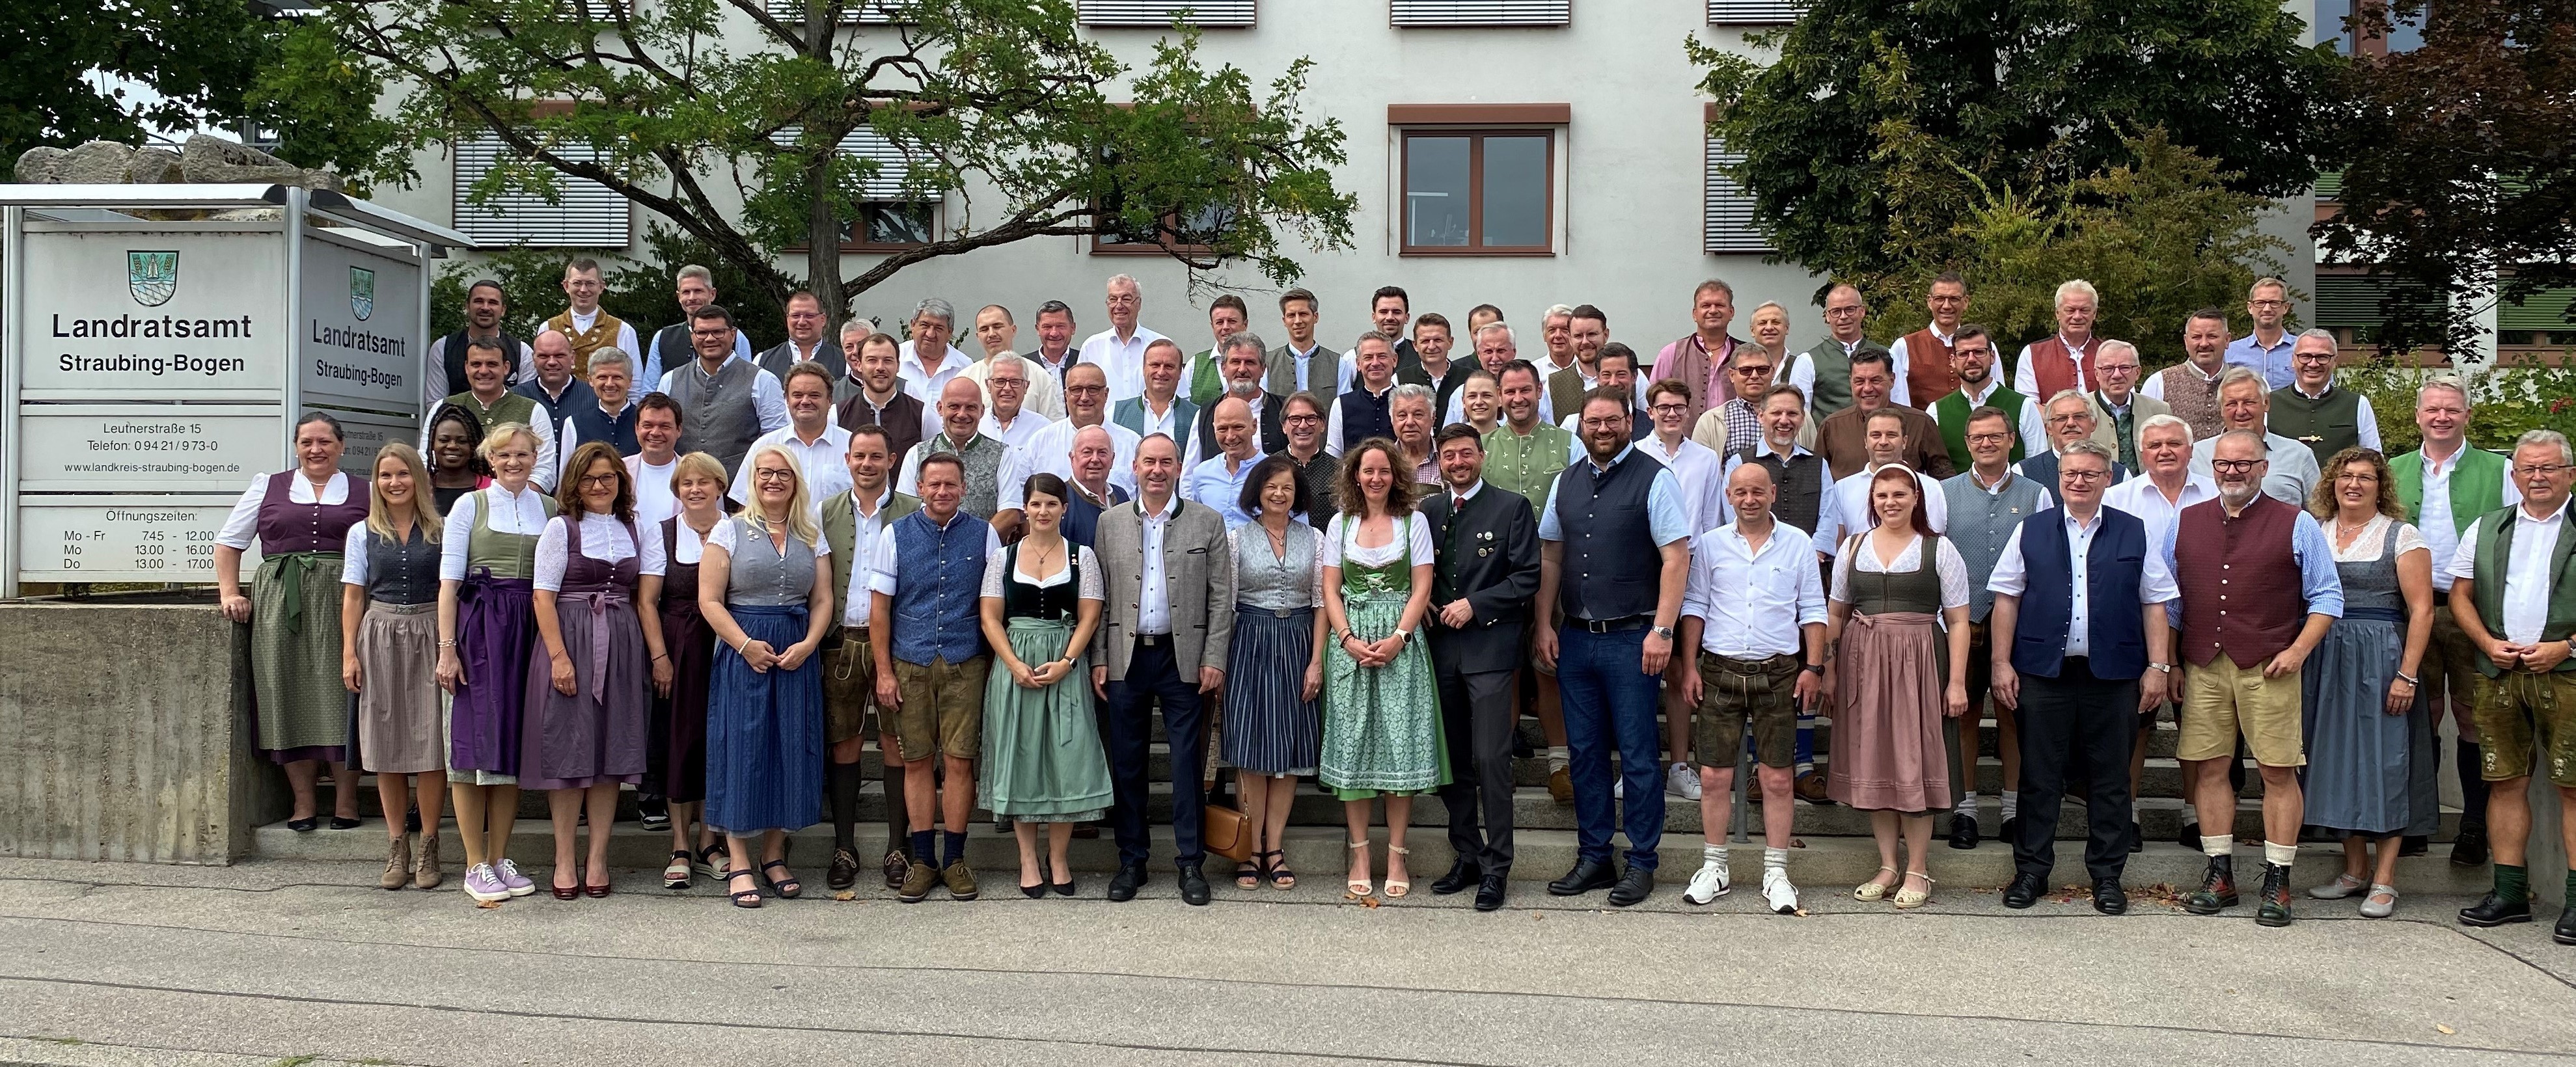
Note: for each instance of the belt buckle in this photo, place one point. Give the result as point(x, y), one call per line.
point(1283, 613)
point(1150, 640)
point(1598, 626)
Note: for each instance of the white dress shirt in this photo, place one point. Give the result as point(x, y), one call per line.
point(1700, 470)
point(1154, 594)
point(867, 524)
point(1751, 602)
point(1726, 472)
point(242, 525)
point(2434, 520)
point(1123, 362)
point(2026, 377)
point(2011, 576)
point(2139, 496)
point(1168, 423)
point(826, 471)
point(2526, 575)
point(1018, 432)
point(925, 385)
point(603, 538)
point(1051, 450)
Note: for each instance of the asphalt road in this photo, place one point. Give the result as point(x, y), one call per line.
point(283, 962)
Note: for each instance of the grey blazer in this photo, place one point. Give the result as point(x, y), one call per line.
point(1195, 570)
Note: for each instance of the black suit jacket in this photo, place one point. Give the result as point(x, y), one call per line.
point(1487, 554)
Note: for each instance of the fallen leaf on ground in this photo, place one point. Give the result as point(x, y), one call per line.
point(2444, 1029)
point(487, 903)
point(846, 894)
point(1800, 913)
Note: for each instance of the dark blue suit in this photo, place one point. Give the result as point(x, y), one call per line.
point(2079, 713)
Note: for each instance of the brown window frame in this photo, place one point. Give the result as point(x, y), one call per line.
point(1476, 136)
point(938, 211)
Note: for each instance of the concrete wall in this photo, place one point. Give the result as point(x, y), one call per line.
point(118, 738)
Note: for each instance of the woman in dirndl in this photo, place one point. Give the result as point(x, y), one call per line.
point(587, 714)
point(679, 726)
point(1898, 623)
point(1382, 732)
point(765, 587)
point(2371, 762)
point(1042, 759)
point(1275, 665)
point(301, 520)
point(486, 626)
point(389, 657)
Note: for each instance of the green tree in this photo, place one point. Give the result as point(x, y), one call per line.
point(2459, 178)
point(725, 118)
point(195, 56)
point(1881, 121)
point(2159, 239)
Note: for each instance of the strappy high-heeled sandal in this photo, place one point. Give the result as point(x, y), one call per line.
point(1909, 898)
point(1875, 889)
point(1396, 890)
point(1359, 887)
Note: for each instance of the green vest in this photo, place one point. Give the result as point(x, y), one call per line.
point(1206, 384)
point(841, 531)
point(2327, 424)
point(512, 407)
point(2495, 544)
point(505, 555)
point(1833, 377)
point(2477, 482)
point(1952, 413)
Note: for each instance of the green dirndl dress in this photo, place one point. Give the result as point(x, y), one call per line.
point(1382, 731)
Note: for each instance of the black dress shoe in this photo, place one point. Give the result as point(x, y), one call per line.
point(1194, 886)
point(1634, 886)
point(1963, 831)
point(2109, 898)
point(2025, 890)
point(1490, 891)
point(303, 826)
point(342, 822)
point(1586, 876)
point(2470, 848)
point(2565, 932)
point(2414, 845)
point(1461, 875)
point(2492, 910)
point(1124, 884)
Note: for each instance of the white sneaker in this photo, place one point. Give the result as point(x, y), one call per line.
point(1778, 893)
point(1682, 781)
point(1707, 885)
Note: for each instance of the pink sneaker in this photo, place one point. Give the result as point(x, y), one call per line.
point(518, 884)
point(484, 885)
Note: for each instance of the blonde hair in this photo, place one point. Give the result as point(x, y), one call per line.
point(424, 506)
point(800, 518)
point(700, 464)
point(503, 431)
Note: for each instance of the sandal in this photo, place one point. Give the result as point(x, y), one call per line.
point(1875, 889)
point(676, 876)
point(1280, 876)
point(2381, 903)
point(1911, 898)
point(1394, 889)
point(710, 866)
point(1249, 874)
point(744, 898)
point(788, 887)
point(1359, 887)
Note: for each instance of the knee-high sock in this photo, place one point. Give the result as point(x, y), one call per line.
point(843, 779)
point(898, 818)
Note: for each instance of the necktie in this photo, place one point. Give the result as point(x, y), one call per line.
point(1457, 504)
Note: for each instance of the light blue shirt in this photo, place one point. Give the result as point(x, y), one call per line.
point(1665, 515)
point(2272, 363)
point(2319, 585)
point(1209, 483)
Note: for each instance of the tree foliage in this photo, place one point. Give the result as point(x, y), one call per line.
point(1882, 122)
point(2159, 239)
point(725, 118)
point(195, 56)
point(642, 290)
point(2460, 173)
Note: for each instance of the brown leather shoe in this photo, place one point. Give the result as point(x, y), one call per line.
point(1811, 788)
point(1560, 786)
point(960, 879)
point(397, 864)
point(917, 880)
point(424, 870)
point(897, 865)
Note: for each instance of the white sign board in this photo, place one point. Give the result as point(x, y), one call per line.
point(123, 538)
point(91, 448)
point(140, 314)
point(363, 434)
point(361, 340)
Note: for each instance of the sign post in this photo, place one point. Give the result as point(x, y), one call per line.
point(160, 342)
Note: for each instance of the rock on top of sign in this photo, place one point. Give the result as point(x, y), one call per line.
point(204, 159)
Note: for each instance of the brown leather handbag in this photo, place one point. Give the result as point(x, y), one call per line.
point(1224, 831)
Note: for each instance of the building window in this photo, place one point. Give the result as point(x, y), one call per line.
point(890, 216)
point(1158, 14)
point(853, 12)
point(1755, 12)
point(1479, 191)
point(1191, 233)
point(1481, 12)
point(1727, 221)
point(585, 213)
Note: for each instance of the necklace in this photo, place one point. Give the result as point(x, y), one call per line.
point(2345, 535)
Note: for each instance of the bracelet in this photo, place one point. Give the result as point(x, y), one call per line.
point(447, 644)
point(2408, 678)
point(660, 656)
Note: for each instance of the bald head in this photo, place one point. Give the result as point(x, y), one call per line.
point(961, 407)
point(1233, 421)
point(553, 358)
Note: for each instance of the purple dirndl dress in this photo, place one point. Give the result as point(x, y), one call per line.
point(596, 735)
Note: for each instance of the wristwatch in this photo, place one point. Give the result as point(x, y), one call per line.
point(2165, 667)
point(1812, 668)
point(1665, 632)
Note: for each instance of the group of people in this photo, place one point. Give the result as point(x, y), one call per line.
point(1367, 566)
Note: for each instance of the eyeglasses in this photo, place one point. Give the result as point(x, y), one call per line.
point(2065, 474)
point(1300, 420)
point(589, 480)
point(1989, 438)
point(2268, 303)
point(773, 476)
point(1752, 369)
point(1671, 409)
point(1084, 390)
point(1006, 383)
point(2537, 471)
point(2234, 466)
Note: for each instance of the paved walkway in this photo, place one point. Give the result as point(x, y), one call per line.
point(304, 962)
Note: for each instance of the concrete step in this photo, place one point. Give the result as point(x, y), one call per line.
point(1826, 867)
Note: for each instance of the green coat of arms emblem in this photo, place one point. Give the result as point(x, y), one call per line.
point(152, 277)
